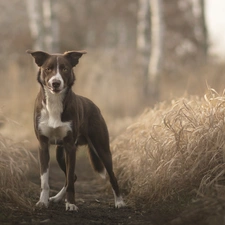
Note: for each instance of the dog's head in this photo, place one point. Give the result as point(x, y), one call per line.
point(56, 70)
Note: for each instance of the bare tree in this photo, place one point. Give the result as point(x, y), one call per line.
point(34, 9)
point(156, 54)
point(143, 40)
point(43, 24)
point(204, 29)
point(150, 58)
point(200, 28)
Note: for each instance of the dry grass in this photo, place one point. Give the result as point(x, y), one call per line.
point(208, 209)
point(14, 163)
point(172, 150)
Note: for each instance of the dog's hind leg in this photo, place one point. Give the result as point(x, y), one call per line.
point(96, 161)
point(100, 155)
point(60, 157)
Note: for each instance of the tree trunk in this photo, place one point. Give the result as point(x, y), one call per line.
point(156, 54)
point(204, 29)
point(51, 37)
point(44, 24)
point(34, 9)
point(142, 43)
point(55, 27)
point(200, 28)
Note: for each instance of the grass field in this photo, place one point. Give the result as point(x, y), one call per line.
point(173, 153)
point(15, 161)
point(168, 156)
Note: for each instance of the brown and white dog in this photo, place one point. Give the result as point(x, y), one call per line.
point(68, 120)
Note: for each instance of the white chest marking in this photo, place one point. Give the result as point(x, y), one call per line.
point(50, 124)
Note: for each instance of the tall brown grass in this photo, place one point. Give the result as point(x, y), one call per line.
point(206, 210)
point(14, 164)
point(172, 149)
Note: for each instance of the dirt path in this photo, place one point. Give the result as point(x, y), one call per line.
point(96, 206)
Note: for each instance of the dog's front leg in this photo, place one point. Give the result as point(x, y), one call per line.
point(44, 171)
point(70, 153)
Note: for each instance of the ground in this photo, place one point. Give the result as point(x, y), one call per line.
point(96, 206)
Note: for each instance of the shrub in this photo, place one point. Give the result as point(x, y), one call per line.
point(172, 149)
point(14, 163)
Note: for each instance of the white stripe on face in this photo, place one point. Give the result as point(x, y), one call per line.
point(57, 77)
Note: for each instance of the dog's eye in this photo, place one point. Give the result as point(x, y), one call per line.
point(65, 69)
point(48, 69)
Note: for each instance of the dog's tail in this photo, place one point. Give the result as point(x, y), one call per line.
point(96, 161)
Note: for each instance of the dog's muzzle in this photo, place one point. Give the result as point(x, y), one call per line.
point(55, 85)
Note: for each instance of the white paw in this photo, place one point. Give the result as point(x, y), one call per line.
point(71, 207)
point(41, 204)
point(119, 203)
point(43, 200)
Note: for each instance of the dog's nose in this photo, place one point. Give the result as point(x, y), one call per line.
point(56, 83)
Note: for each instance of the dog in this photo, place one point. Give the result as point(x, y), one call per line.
point(67, 120)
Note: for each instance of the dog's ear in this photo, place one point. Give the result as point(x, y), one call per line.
point(73, 56)
point(39, 56)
